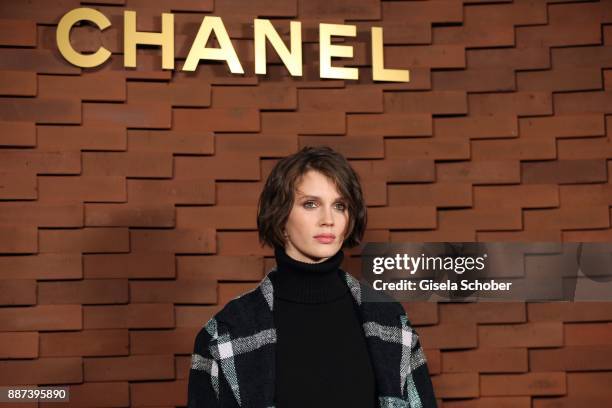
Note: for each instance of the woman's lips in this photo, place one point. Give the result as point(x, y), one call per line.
point(325, 239)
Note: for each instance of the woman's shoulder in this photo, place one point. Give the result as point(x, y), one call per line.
point(242, 315)
point(375, 305)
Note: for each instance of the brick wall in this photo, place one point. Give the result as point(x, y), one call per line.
point(128, 197)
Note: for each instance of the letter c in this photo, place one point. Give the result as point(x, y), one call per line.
point(63, 37)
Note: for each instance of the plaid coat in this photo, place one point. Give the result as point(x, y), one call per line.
point(233, 360)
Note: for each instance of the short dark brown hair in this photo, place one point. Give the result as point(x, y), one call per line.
point(278, 195)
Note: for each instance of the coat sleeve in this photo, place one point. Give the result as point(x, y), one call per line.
point(420, 377)
point(203, 387)
point(419, 387)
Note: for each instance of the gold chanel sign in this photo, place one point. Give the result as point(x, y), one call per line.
point(263, 31)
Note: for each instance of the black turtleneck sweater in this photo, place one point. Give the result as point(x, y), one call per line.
point(321, 355)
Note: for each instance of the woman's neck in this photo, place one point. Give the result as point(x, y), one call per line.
point(308, 282)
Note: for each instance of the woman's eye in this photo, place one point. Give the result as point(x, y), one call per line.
point(314, 204)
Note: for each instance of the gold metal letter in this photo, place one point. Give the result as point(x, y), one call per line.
point(62, 37)
point(379, 72)
point(131, 38)
point(199, 50)
point(327, 51)
point(292, 60)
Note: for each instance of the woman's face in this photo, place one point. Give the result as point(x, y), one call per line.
point(318, 220)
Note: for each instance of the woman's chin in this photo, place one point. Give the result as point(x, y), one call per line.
point(324, 251)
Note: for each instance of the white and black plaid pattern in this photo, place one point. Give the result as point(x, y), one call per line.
point(393, 337)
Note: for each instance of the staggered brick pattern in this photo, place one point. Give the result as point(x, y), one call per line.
point(128, 196)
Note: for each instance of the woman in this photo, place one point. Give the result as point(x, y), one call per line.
point(304, 337)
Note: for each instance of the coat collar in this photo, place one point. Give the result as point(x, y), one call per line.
point(246, 325)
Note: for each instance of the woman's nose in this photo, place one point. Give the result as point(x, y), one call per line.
point(327, 217)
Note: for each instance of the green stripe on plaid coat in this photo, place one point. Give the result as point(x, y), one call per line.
point(233, 360)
